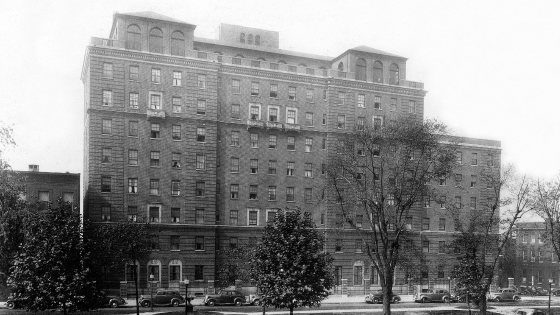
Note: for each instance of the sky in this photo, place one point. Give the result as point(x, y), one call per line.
point(491, 69)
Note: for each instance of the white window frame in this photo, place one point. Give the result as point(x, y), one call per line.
point(249, 110)
point(295, 118)
point(258, 216)
point(148, 211)
point(153, 262)
point(150, 93)
point(175, 262)
point(277, 113)
point(363, 105)
point(269, 210)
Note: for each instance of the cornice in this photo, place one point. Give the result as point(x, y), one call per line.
point(395, 89)
point(279, 75)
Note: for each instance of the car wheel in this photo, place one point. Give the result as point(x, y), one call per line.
point(516, 298)
point(255, 302)
point(497, 299)
point(445, 299)
point(424, 300)
point(146, 304)
point(114, 304)
point(175, 303)
point(396, 299)
point(211, 303)
point(375, 300)
point(11, 305)
point(238, 302)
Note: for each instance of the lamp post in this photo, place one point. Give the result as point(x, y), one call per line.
point(151, 296)
point(550, 281)
point(186, 295)
point(449, 291)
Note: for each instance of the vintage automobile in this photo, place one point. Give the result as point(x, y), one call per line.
point(428, 295)
point(254, 299)
point(377, 297)
point(225, 297)
point(114, 301)
point(503, 295)
point(163, 298)
point(528, 311)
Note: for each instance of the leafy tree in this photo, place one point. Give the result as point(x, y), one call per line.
point(232, 265)
point(289, 266)
point(374, 179)
point(485, 232)
point(122, 244)
point(51, 268)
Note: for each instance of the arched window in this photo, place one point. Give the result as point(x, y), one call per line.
point(154, 268)
point(377, 72)
point(219, 56)
point(133, 39)
point(130, 272)
point(340, 66)
point(242, 38)
point(361, 69)
point(394, 74)
point(261, 59)
point(175, 273)
point(155, 43)
point(177, 44)
point(250, 39)
point(257, 40)
point(237, 59)
point(358, 272)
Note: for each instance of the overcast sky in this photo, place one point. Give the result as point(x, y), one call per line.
point(491, 68)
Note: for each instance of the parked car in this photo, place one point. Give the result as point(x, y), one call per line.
point(528, 311)
point(11, 303)
point(503, 295)
point(428, 295)
point(377, 297)
point(556, 292)
point(254, 299)
point(225, 297)
point(114, 301)
point(163, 298)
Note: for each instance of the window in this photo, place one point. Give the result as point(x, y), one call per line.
point(377, 123)
point(132, 157)
point(200, 161)
point(341, 97)
point(474, 159)
point(106, 158)
point(308, 144)
point(133, 100)
point(235, 86)
point(427, 201)
point(309, 95)
point(199, 243)
point(234, 191)
point(201, 107)
point(175, 160)
point(473, 180)
point(154, 186)
point(133, 185)
point(291, 143)
point(338, 245)
point(473, 202)
point(175, 215)
point(442, 224)
point(254, 140)
point(273, 114)
point(254, 166)
point(442, 201)
point(393, 104)
point(270, 215)
point(458, 202)
point(458, 179)
point(459, 157)
point(156, 76)
point(133, 73)
point(377, 102)
point(341, 122)
point(408, 223)
point(201, 81)
point(155, 100)
point(274, 90)
point(175, 188)
point(198, 272)
point(425, 224)
point(308, 170)
point(425, 246)
point(272, 141)
point(374, 275)
point(233, 241)
point(254, 88)
point(154, 159)
point(175, 241)
point(290, 168)
point(154, 131)
point(324, 119)
point(177, 75)
point(234, 138)
point(105, 184)
point(292, 68)
point(292, 93)
point(107, 70)
point(254, 111)
point(271, 193)
point(271, 167)
point(441, 247)
point(290, 194)
point(233, 217)
point(133, 128)
point(105, 213)
point(107, 98)
point(234, 165)
point(359, 223)
point(201, 134)
point(309, 119)
point(291, 116)
point(376, 149)
point(176, 132)
point(361, 100)
point(308, 195)
point(411, 107)
point(323, 144)
point(442, 180)
point(154, 214)
point(394, 74)
point(360, 123)
point(199, 216)
point(176, 104)
point(132, 213)
point(235, 111)
point(252, 217)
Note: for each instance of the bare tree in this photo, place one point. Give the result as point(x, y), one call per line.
point(376, 176)
point(484, 232)
point(547, 206)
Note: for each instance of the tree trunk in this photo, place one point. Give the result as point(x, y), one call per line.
point(136, 287)
point(387, 289)
point(482, 306)
point(291, 309)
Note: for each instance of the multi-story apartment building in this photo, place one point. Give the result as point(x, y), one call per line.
point(536, 262)
point(207, 138)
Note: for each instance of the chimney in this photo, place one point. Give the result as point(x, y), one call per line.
point(33, 167)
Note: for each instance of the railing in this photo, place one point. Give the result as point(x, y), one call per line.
point(255, 123)
point(292, 127)
point(261, 64)
point(274, 125)
point(155, 113)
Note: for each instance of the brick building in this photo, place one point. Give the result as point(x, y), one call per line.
point(207, 138)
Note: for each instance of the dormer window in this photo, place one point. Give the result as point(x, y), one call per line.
point(377, 72)
point(133, 37)
point(177, 44)
point(394, 74)
point(156, 41)
point(242, 38)
point(340, 66)
point(361, 70)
